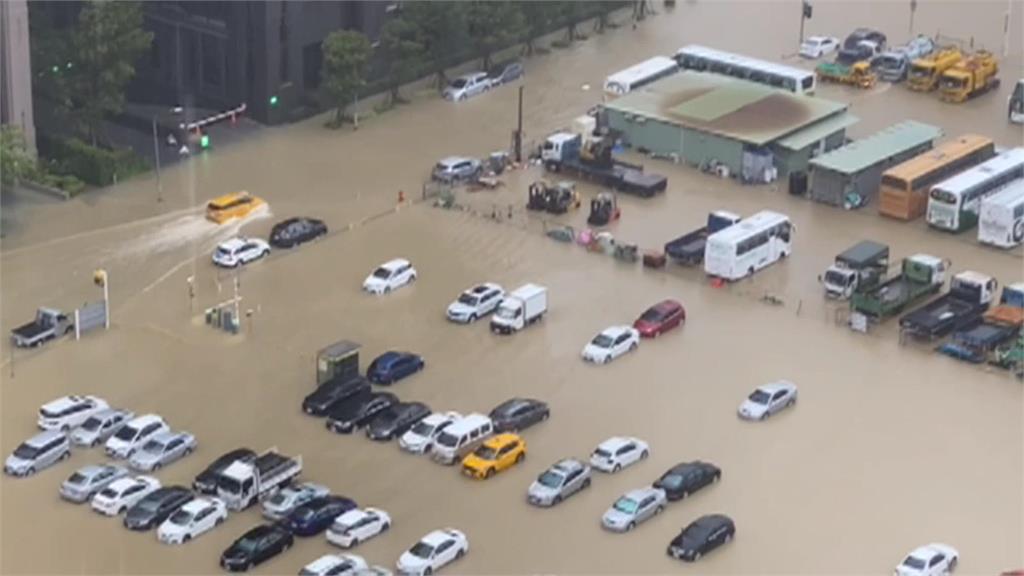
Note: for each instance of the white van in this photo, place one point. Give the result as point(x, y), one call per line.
point(461, 438)
point(134, 434)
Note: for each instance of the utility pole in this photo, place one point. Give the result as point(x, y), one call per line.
point(1006, 28)
point(156, 154)
point(913, 8)
point(805, 14)
point(519, 130)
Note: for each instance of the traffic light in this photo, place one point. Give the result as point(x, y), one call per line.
point(273, 101)
point(808, 10)
point(204, 141)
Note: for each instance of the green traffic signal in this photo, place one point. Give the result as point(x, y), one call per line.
point(273, 100)
point(204, 141)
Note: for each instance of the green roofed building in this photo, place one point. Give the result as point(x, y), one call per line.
point(704, 118)
point(854, 171)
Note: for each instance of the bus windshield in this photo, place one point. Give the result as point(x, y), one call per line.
point(940, 195)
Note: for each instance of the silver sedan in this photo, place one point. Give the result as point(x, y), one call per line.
point(89, 481)
point(634, 507)
point(767, 400)
point(563, 479)
point(163, 449)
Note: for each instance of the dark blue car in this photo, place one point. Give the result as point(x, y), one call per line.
point(317, 515)
point(393, 366)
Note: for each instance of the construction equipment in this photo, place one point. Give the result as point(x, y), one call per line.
point(925, 72)
point(537, 199)
point(593, 160)
point(554, 199)
point(858, 74)
point(603, 209)
point(970, 77)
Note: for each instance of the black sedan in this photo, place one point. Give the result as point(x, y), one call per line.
point(702, 536)
point(256, 546)
point(684, 479)
point(317, 515)
point(206, 481)
point(294, 231)
point(330, 393)
point(156, 507)
point(358, 411)
point(396, 420)
point(518, 414)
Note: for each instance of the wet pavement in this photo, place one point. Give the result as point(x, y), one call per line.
point(890, 447)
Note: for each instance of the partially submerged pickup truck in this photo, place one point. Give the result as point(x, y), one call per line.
point(48, 325)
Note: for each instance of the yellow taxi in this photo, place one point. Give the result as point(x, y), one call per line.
point(231, 206)
point(496, 454)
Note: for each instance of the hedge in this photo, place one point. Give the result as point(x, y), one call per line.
point(93, 165)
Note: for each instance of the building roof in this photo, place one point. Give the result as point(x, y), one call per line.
point(819, 130)
point(746, 111)
point(861, 154)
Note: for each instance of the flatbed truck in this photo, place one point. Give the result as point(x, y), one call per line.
point(998, 326)
point(688, 249)
point(243, 484)
point(969, 296)
point(564, 152)
point(920, 276)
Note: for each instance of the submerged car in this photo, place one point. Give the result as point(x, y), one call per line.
point(256, 546)
point(396, 420)
point(497, 453)
point(433, 552)
point(702, 536)
point(233, 205)
point(38, 452)
point(284, 501)
point(100, 426)
point(359, 411)
point(467, 85)
point(392, 366)
point(192, 520)
point(818, 46)
point(238, 251)
point(389, 276)
point(456, 168)
point(67, 412)
point(420, 438)
point(684, 479)
point(563, 479)
point(475, 302)
point(317, 515)
point(767, 400)
point(618, 452)
point(633, 508)
point(133, 435)
point(929, 560)
point(156, 507)
point(357, 526)
point(335, 565)
point(88, 481)
point(517, 414)
point(331, 393)
point(610, 344)
point(296, 231)
point(164, 448)
point(660, 318)
point(122, 494)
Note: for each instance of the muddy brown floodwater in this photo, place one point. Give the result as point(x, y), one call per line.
point(891, 446)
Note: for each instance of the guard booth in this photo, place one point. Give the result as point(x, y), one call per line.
point(339, 360)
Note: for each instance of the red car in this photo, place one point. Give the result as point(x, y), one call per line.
point(660, 318)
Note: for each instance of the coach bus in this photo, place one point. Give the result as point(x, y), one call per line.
point(638, 75)
point(953, 205)
point(703, 59)
point(1001, 220)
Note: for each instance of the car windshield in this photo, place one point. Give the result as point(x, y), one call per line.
point(181, 518)
point(626, 505)
point(382, 273)
point(108, 493)
point(888, 62)
point(651, 315)
point(550, 479)
point(148, 504)
point(602, 341)
point(448, 440)
point(126, 433)
point(26, 452)
point(760, 397)
point(423, 429)
point(468, 300)
point(154, 446)
point(485, 452)
point(672, 481)
point(421, 550)
point(76, 478)
point(836, 278)
point(92, 424)
point(303, 513)
point(602, 453)
point(278, 499)
point(914, 562)
point(459, 83)
point(247, 544)
point(223, 251)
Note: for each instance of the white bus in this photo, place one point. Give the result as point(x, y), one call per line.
point(1001, 222)
point(638, 75)
point(953, 204)
point(746, 247)
point(703, 59)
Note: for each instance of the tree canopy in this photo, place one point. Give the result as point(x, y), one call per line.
point(346, 54)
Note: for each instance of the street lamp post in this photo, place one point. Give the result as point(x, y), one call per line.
point(156, 152)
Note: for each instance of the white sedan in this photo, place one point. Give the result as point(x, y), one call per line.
point(611, 343)
point(357, 526)
point(335, 565)
point(239, 251)
point(929, 560)
point(433, 552)
point(390, 276)
point(618, 452)
point(420, 438)
point(818, 46)
point(767, 400)
point(192, 520)
point(122, 494)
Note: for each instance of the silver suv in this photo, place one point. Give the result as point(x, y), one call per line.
point(563, 479)
point(456, 168)
point(40, 451)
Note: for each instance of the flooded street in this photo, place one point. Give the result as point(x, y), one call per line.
point(889, 448)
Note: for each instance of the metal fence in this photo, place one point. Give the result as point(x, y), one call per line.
point(90, 317)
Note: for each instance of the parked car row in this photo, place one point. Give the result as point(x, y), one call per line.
point(473, 83)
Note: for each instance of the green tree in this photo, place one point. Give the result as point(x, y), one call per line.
point(105, 45)
point(346, 53)
point(493, 26)
point(404, 48)
point(572, 12)
point(444, 32)
point(16, 163)
point(537, 17)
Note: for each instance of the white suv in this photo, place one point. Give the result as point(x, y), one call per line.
point(69, 412)
point(134, 435)
point(238, 251)
point(390, 276)
point(475, 302)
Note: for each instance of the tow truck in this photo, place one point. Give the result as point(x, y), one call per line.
point(593, 160)
point(969, 296)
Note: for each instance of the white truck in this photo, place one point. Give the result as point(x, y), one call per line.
point(859, 267)
point(524, 306)
point(243, 484)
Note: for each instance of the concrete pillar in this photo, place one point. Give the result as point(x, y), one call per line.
point(16, 69)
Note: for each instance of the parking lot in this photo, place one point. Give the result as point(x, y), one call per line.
point(890, 447)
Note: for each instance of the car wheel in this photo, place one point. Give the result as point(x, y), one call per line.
point(122, 509)
point(188, 451)
point(684, 495)
point(607, 359)
point(765, 415)
point(643, 455)
point(157, 466)
point(94, 443)
point(791, 402)
point(355, 542)
point(659, 510)
point(31, 471)
point(186, 538)
point(460, 553)
point(385, 527)
point(65, 428)
point(728, 537)
point(632, 346)
point(218, 521)
point(489, 473)
point(617, 467)
point(520, 457)
point(472, 318)
point(557, 499)
point(697, 556)
point(750, 271)
point(286, 546)
point(630, 526)
point(952, 564)
point(387, 289)
point(586, 483)
point(716, 477)
point(265, 253)
point(430, 570)
point(65, 455)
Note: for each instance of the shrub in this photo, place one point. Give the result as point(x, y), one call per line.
point(94, 165)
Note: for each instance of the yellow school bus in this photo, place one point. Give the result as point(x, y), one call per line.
point(231, 206)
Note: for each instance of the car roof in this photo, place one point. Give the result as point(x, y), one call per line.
point(500, 440)
point(324, 562)
point(353, 515)
point(44, 437)
point(773, 387)
point(394, 263)
point(453, 160)
point(467, 423)
point(436, 418)
point(196, 505)
point(145, 420)
point(92, 469)
point(640, 493)
point(928, 550)
point(122, 483)
point(667, 305)
point(709, 521)
point(616, 442)
point(567, 465)
point(66, 402)
point(513, 403)
point(818, 38)
point(108, 412)
point(234, 243)
point(436, 537)
point(615, 331)
point(482, 288)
